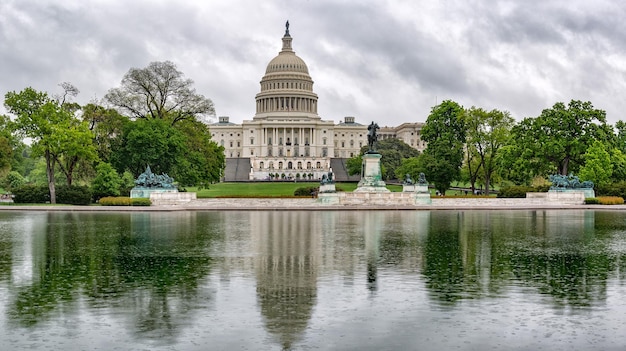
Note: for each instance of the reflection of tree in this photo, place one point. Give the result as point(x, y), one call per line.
point(5, 253)
point(151, 271)
point(287, 264)
point(475, 254)
point(571, 278)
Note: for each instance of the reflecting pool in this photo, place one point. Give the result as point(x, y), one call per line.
point(313, 280)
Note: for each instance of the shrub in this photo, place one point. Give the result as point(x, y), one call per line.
point(516, 191)
point(73, 195)
point(124, 201)
point(141, 201)
point(107, 181)
point(31, 194)
point(610, 200)
point(306, 191)
point(592, 201)
point(115, 201)
point(13, 180)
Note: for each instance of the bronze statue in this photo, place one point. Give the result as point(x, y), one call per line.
point(372, 137)
point(287, 28)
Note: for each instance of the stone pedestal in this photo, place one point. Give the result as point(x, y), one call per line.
point(145, 192)
point(171, 198)
point(371, 176)
point(327, 188)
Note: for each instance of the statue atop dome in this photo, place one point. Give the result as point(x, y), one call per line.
point(287, 28)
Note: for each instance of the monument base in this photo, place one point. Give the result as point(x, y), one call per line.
point(374, 199)
point(171, 198)
point(327, 188)
point(371, 176)
point(569, 196)
point(328, 198)
point(139, 192)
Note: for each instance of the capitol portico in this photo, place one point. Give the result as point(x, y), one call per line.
point(287, 139)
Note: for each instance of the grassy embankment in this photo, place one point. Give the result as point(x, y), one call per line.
point(266, 189)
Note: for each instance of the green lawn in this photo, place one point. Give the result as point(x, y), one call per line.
point(266, 189)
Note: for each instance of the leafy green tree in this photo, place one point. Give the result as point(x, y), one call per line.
point(392, 152)
point(411, 166)
point(53, 129)
point(6, 146)
point(487, 132)
point(106, 124)
point(13, 180)
point(444, 131)
point(203, 161)
point(354, 164)
point(618, 162)
point(598, 167)
point(149, 142)
point(620, 137)
point(107, 182)
point(160, 91)
point(559, 137)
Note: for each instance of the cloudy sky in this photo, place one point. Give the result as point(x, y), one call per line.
point(387, 61)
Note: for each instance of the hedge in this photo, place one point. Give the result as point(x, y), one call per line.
point(605, 200)
point(124, 201)
point(306, 191)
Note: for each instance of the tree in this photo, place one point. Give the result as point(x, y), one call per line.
point(203, 161)
point(598, 167)
point(149, 142)
point(107, 182)
point(53, 129)
point(487, 132)
point(106, 125)
point(561, 135)
point(392, 150)
point(411, 166)
point(354, 164)
point(159, 91)
point(444, 131)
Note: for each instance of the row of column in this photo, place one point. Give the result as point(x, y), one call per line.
point(301, 135)
point(286, 104)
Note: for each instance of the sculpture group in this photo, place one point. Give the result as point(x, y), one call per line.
point(562, 182)
point(148, 179)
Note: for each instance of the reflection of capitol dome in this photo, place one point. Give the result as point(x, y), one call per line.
point(287, 272)
point(287, 85)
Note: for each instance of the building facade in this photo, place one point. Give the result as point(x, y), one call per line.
point(286, 138)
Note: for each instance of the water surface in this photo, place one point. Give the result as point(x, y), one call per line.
point(302, 280)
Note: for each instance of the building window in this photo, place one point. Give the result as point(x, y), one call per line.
point(343, 144)
point(251, 151)
point(280, 165)
point(261, 165)
point(222, 142)
point(251, 141)
point(231, 143)
point(318, 165)
point(308, 165)
point(324, 141)
point(238, 144)
point(289, 165)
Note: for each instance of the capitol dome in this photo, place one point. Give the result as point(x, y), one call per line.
point(286, 85)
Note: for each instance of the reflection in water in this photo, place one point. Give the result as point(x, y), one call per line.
point(287, 263)
point(144, 266)
point(312, 278)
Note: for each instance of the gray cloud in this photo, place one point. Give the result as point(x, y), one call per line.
point(388, 61)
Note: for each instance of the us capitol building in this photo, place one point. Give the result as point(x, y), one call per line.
point(286, 138)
